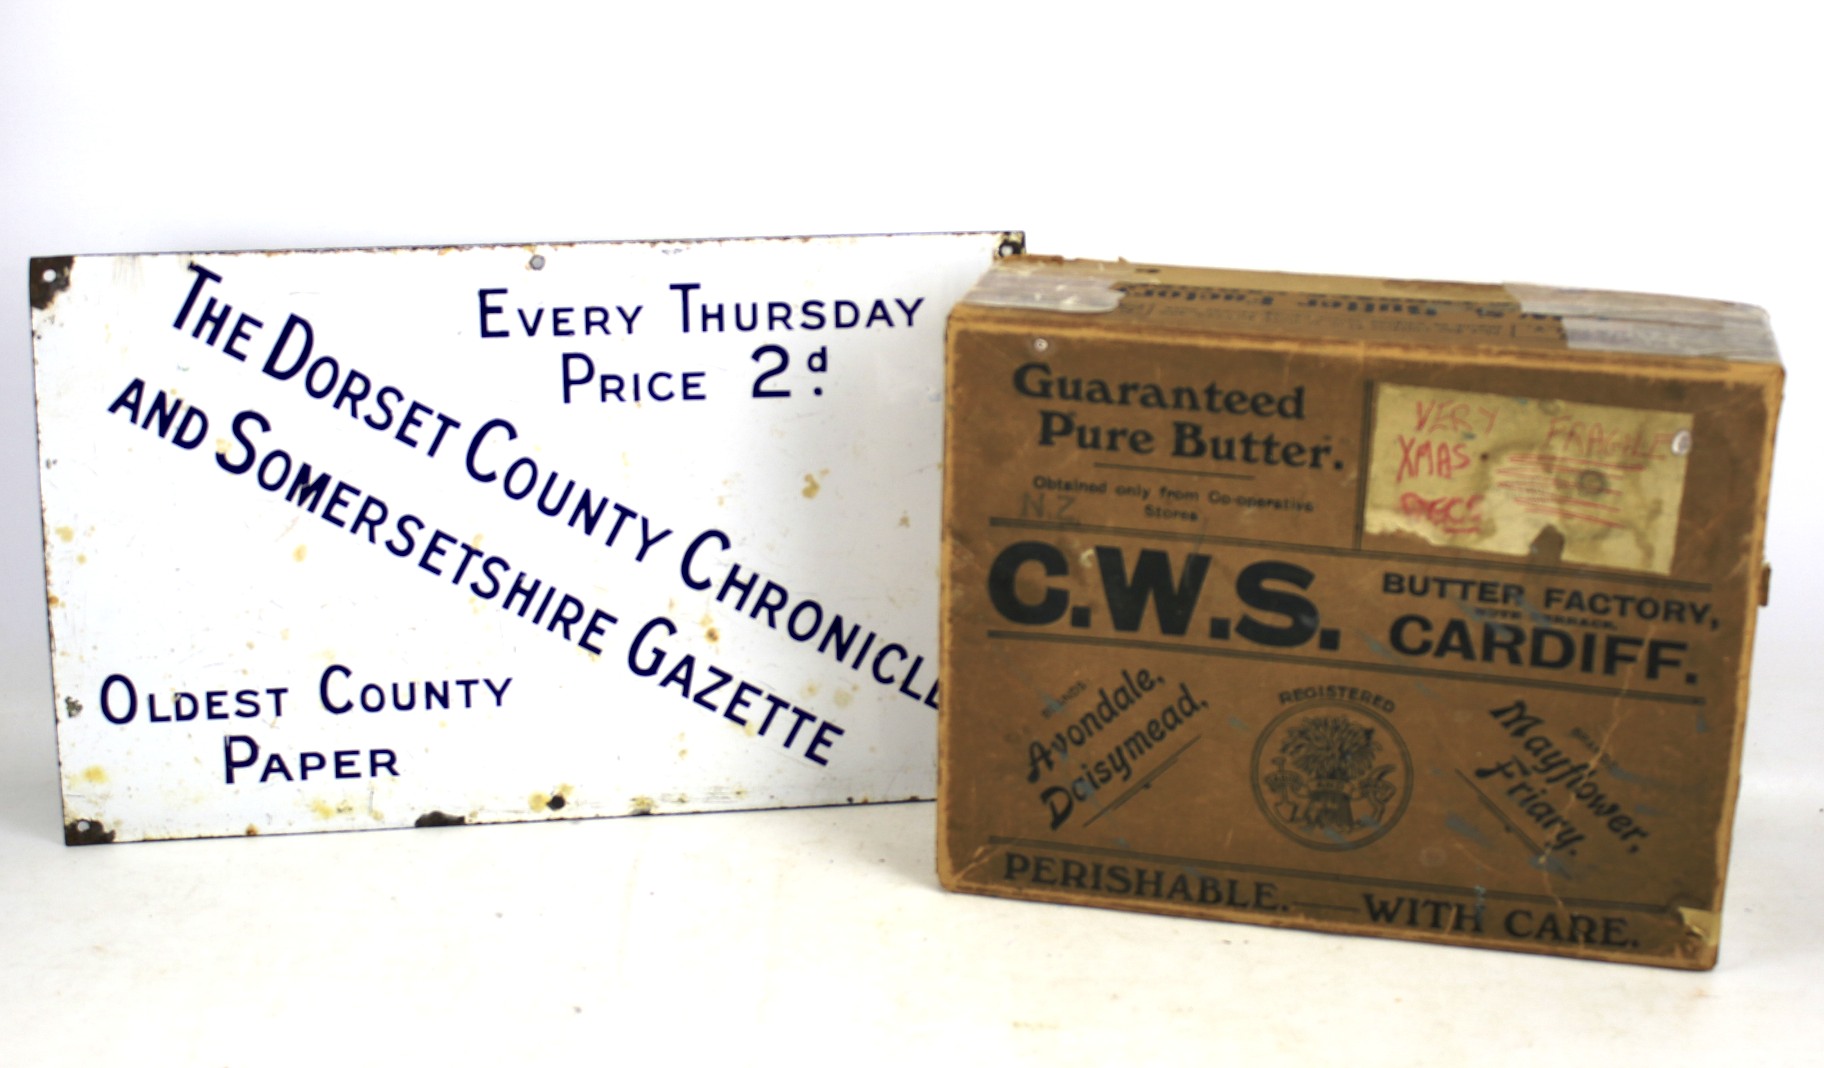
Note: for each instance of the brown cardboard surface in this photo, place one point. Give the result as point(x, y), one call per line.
point(1413, 609)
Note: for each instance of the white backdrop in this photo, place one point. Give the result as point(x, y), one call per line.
point(1623, 146)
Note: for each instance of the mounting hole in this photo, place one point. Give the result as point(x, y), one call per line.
point(49, 275)
point(84, 826)
point(1010, 246)
point(1681, 443)
point(1039, 344)
point(538, 263)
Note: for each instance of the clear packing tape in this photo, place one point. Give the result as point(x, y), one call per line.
point(1596, 320)
point(1043, 285)
point(1649, 323)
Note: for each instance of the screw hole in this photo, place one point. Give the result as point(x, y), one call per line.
point(84, 826)
point(1010, 246)
point(1681, 443)
point(49, 275)
point(1039, 344)
point(538, 263)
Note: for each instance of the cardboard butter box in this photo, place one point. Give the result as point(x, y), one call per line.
point(1371, 606)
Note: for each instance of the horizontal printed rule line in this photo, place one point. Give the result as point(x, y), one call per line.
point(1198, 864)
point(1339, 550)
point(1173, 471)
point(1341, 664)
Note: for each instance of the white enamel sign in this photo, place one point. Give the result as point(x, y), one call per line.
point(384, 538)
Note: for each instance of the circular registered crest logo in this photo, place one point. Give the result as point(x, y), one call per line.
point(1331, 774)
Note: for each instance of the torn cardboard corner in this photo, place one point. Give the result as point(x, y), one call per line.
point(1373, 606)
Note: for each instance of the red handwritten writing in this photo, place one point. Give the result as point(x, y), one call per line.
point(1452, 417)
point(1430, 459)
point(1452, 515)
point(1590, 439)
point(1564, 488)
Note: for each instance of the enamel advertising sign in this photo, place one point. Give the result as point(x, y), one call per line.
point(344, 540)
